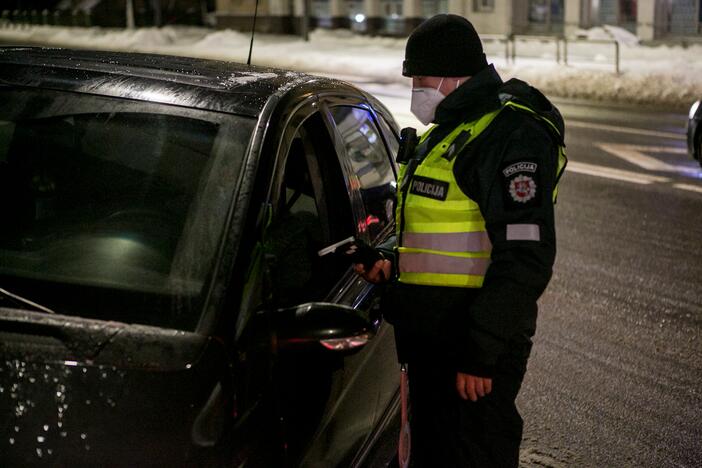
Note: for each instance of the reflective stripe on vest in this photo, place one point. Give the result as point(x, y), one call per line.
point(448, 242)
point(442, 239)
point(445, 270)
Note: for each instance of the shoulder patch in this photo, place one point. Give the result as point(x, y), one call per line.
point(430, 188)
point(523, 166)
point(521, 184)
point(522, 188)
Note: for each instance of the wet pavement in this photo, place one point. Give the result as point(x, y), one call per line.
point(615, 377)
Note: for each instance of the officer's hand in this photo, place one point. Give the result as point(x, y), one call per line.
point(471, 387)
point(378, 274)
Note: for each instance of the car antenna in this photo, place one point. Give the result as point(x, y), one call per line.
point(253, 31)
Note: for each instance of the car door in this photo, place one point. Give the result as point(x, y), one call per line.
point(304, 205)
point(323, 407)
point(363, 406)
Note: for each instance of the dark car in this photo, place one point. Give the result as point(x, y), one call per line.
point(694, 132)
point(162, 298)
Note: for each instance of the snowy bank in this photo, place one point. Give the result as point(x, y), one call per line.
point(663, 76)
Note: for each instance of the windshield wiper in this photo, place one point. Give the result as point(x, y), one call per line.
point(24, 301)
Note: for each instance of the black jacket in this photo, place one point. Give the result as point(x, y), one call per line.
point(477, 327)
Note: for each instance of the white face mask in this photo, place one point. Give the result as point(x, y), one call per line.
point(425, 101)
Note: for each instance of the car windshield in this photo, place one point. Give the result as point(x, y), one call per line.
point(114, 209)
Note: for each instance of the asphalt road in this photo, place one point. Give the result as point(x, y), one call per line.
point(615, 377)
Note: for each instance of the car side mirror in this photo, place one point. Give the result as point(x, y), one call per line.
point(336, 327)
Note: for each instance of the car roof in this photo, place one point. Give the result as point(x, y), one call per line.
point(185, 81)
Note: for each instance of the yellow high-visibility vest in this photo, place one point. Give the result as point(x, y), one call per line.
point(442, 239)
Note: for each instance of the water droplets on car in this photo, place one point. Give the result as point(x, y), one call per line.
point(39, 401)
point(241, 78)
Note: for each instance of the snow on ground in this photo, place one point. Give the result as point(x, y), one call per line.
point(664, 76)
point(607, 32)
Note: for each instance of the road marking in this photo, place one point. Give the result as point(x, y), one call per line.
point(626, 176)
point(691, 188)
point(616, 174)
point(629, 130)
point(635, 155)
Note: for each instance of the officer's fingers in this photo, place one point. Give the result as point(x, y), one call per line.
point(488, 385)
point(479, 387)
point(387, 268)
point(375, 271)
point(461, 386)
point(380, 271)
point(358, 268)
point(470, 388)
point(384, 270)
point(374, 274)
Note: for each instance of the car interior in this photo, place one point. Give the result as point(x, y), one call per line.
point(311, 205)
point(82, 211)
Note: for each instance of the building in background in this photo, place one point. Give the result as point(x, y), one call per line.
point(106, 13)
point(648, 19)
point(654, 19)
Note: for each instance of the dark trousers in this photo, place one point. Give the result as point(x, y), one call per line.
point(450, 432)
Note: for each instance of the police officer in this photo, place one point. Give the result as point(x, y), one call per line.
point(474, 249)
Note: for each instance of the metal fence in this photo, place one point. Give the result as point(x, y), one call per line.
point(588, 43)
point(557, 48)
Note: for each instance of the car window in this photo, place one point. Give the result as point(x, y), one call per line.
point(299, 189)
point(114, 209)
point(370, 165)
point(296, 231)
point(313, 211)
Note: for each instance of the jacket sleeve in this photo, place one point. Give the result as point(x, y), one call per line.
point(512, 181)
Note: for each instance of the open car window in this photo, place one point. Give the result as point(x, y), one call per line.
point(314, 210)
point(114, 209)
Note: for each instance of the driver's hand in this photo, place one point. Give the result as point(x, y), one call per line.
point(380, 272)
